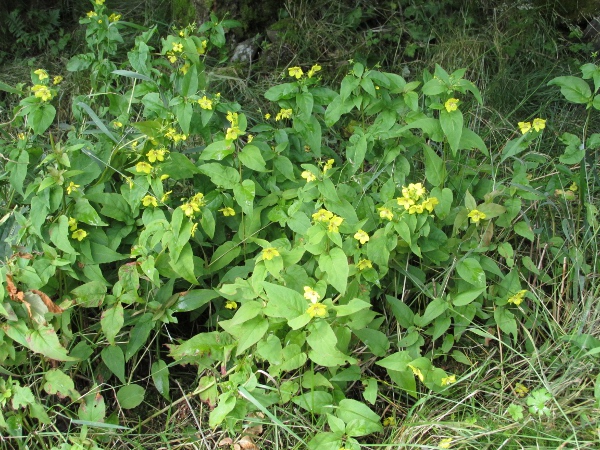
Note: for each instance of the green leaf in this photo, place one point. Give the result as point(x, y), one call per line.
point(224, 255)
point(435, 169)
point(316, 402)
point(574, 89)
point(45, 341)
point(84, 212)
point(42, 117)
point(246, 333)
point(469, 140)
point(21, 397)
point(114, 359)
point(506, 321)
point(178, 167)
point(335, 265)
point(283, 302)
point(227, 402)
point(217, 150)
point(59, 383)
point(470, 270)
point(112, 321)
point(351, 307)
point(223, 176)
point(98, 122)
point(377, 341)
point(195, 299)
point(130, 396)
point(452, 126)
point(92, 409)
point(189, 84)
point(524, 230)
point(281, 91)
point(59, 235)
point(184, 266)
point(360, 419)
point(18, 170)
point(90, 294)
point(436, 308)
point(323, 343)
point(160, 377)
point(244, 195)
point(251, 157)
point(305, 102)
point(465, 297)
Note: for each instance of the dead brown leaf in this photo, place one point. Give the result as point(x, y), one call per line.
point(10, 287)
point(52, 307)
point(246, 443)
point(225, 441)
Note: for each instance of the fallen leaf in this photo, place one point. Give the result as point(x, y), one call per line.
point(246, 443)
point(52, 307)
point(225, 441)
point(10, 287)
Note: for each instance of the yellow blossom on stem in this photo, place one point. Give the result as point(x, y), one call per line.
point(41, 91)
point(385, 213)
point(227, 211)
point(311, 294)
point(314, 69)
point(361, 236)
point(189, 208)
point(91, 14)
point(230, 304)
point(524, 127)
point(430, 203)
point(165, 196)
point(205, 103)
point(267, 116)
point(149, 200)
point(283, 114)
point(72, 223)
point(194, 228)
point(79, 235)
point(164, 176)
point(295, 72)
point(322, 215)
point(518, 298)
point(143, 167)
point(177, 47)
point(41, 73)
point(232, 133)
point(448, 380)
point(57, 79)
point(334, 223)
point(328, 165)
point(157, 155)
point(308, 176)
point(415, 209)
point(317, 310)
point(451, 104)
point(250, 138)
point(521, 390)
point(99, 2)
point(476, 216)
point(445, 443)
point(417, 372)
point(389, 421)
point(117, 124)
point(573, 187)
point(405, 201)
point(183, 69)
point(72, 187)
point(539, 124)
point(114, 17)
point(269, 253)
point(171, 57)
point(364, 264)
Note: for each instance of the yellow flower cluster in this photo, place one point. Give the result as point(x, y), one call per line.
point(42, 92)
point(157, 154)
point(538, 125)
point(177, 47)
point(77, 233)
point(412, 195)
point(205, 103)
point(234, 131)
point(172, 135)
point(518, 298)
point(476, 215)
point(316, 309)
point(228, 211)
point(308, 176)
point(328, 165)
point(230, 304)
point(114, 17)
point(150, 200)
point(450, 379)
point(283, 114)
point(385, 213)
point(41, 73)
point(333, 222)
point(364, 264)
point(269, 253)
point(143, 167)
point(193, 204)
point(297, 72)
point(451, 104)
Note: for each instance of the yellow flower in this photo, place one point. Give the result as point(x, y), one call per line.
point(227, 211)
point(117, 124)
point(283, 114)
point(389, 421)
point(171, 57)
point(314, 69)
point(194, 228)
point(202, 49)
point(322, 215)
point(311, 294)
point(385, 213)
point(22, 136)
point(295, 72)
point(41, 91)
point(573, 187)
point(430, 203)
point(198, 199)
point(445, 443)
point(183, 69)
point(99, 20)
point(157, 155)
point(233, 118)
point(79, 235)
point(177, 47)
point(114, 17)
point(72, 223)
point(413, 191)
point(539, 124)
point(143, 167)
point(317, 310)
point(267, 116)
point(418, 209)
point(72, 187)
point(361, 236)
point(165, 196)
point(448, 380)
point(308, 176)
point(328, 165)
point(205, 103)
point(99, 2)
point(189, 208)
point(164, 176)
point(269, 253)
point(525, 127)
point(451, 104)
point(364, 264)
point(232, 133)
point(334, 223)
point(149, 200)
point(91, 14)
point(476, 216)
point(230, 304)
point(405, 201)
point(57, 79)
point(417, 372)
point(250, 138)
point(518, 298)
point(521, 390)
